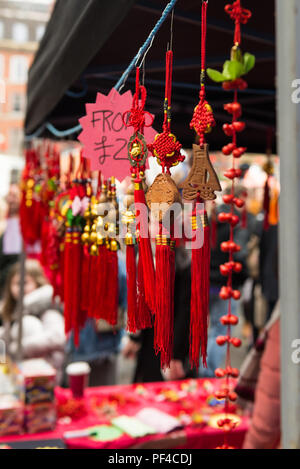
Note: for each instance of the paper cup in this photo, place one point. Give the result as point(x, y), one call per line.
point(78, 375)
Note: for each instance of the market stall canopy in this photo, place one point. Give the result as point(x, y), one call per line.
point(88, 45)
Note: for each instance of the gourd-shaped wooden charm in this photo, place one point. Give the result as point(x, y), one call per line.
point(202, 180)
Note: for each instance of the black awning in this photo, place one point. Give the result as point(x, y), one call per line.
point(75, 33)
point(89, 43)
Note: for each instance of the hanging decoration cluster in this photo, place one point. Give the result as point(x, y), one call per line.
point(77, 249)
point(233, 70)
point(200, 186)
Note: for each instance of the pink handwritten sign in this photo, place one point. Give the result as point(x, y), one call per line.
point(104, 135)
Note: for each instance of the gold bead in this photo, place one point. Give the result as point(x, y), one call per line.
point(100, 239)
point(94, 212)
point(129, 240)
point(93, 237)
point(94, 250)
point(85, 237)
point(114, 245)
point(135, 150)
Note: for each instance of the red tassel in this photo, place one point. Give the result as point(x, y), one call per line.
point(92, 286)
point(164, 315)
point(78, 319)
point(67, 280)
point(200, 299)
point(111, 295)
point(85, 279)
point(131, 289)
point(266, 205)
point(101, 281)
point(144, 316)
point(145, 250)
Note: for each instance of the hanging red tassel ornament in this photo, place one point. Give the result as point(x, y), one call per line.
point(200, 186)
point(111, 296)
point(102, 259)
point(227, 293)
point(200, 270)
point(137, 154)
point(167, 151)
point(131, 270)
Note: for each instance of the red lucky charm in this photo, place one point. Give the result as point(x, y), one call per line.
point(200, 185)
point(227, 293)
point(140, 281)
point(163, 191)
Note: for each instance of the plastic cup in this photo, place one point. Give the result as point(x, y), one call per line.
point(78, 376)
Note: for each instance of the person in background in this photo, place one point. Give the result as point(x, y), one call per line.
point(11, 239)
point(42, 324)
point(264, 431)
point(99, 343)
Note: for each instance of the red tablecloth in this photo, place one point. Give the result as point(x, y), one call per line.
point(175, 398)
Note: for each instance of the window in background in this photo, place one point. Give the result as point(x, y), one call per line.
point(18, 69)
point(20, 32)
point(39, 32)
point(17, 102)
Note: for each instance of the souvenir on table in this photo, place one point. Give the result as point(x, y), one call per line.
point(233, 71)
point(160, 197)
point(11, 415)
point(35, 380)
point(40, 417)
point(200, 186)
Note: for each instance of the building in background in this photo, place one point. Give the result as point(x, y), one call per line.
point(22, 25)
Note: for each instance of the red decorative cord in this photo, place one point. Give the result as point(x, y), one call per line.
point(203, 119)
point(240, 16)
point(227, 293)
point(165, 147)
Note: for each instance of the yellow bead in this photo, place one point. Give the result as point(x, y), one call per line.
point(114, 245)
point(85, 237)
point(93, 237)
point(94, 250)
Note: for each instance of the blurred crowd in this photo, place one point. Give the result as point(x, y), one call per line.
point(103, 346)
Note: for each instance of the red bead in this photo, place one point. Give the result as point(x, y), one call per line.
point(234, 220)
point(221, 340)
point(239, 126)
point(229, 320)
point(225, 246)
point(223, 217)
point(236, 342)
point(226, 150)
point(231, 246)
point(228, 129)
point(237, 267)
point(220, 373)
point(238, 202)
point(236, 294)
point(224, 270)
point(238, 173)
point(232, 396)
point(234, 372)
point(228, 198)
point(227, 85)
